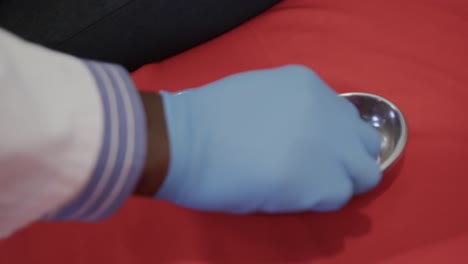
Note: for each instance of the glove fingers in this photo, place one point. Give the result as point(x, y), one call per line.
point(364, 170)
point(336, 189)
point(370, 138)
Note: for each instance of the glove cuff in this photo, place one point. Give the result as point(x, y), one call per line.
point(179, 128)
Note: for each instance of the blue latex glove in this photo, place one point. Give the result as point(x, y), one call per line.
point(277, 140)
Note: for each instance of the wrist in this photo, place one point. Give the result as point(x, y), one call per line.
point(185, 137)
point(157, 156)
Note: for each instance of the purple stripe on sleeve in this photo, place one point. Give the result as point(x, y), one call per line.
point(123, 151)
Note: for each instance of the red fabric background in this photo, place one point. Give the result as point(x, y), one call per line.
point(413, 52)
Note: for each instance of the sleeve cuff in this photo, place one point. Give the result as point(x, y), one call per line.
point(123, 151)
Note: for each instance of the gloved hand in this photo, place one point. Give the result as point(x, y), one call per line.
point(277, 140)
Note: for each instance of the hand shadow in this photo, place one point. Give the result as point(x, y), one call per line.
point(278, 239)
point(283, 238)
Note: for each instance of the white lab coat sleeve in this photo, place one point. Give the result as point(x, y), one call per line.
point(72, 136)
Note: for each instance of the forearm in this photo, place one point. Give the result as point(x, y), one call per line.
point(148, 157)
point(123, 147)
point(77, 138)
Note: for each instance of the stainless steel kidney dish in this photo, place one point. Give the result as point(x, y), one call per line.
point(384, 116)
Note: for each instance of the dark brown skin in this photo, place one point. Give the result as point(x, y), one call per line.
point(157, 158)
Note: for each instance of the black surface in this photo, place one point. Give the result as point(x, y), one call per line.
point(128, 32)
